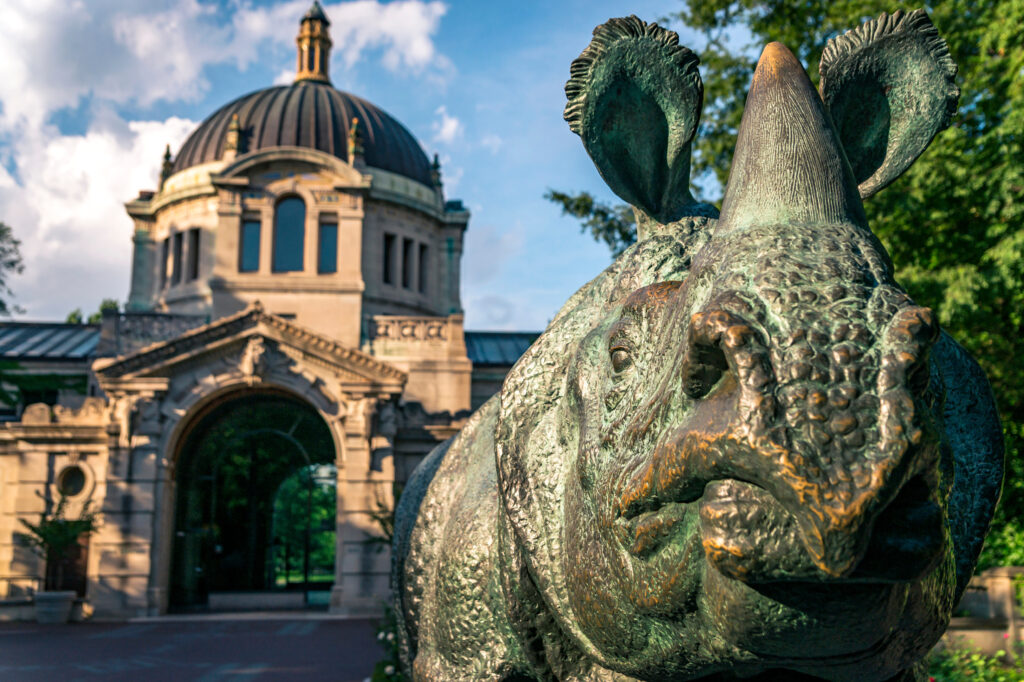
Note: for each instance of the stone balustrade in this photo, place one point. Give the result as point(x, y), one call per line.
point(988, 617)
point(416, 336)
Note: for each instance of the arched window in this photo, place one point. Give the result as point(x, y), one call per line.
point(289, 235)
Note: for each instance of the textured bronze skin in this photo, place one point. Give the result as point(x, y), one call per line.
point(742, 451)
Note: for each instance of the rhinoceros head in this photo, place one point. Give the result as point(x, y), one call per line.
point(728, 452)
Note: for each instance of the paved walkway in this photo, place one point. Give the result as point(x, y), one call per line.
point(241, 647)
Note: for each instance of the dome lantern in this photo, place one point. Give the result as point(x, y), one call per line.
point(314, 43)
point(309, 113)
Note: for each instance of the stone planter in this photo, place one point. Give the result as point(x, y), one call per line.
point(54, 607)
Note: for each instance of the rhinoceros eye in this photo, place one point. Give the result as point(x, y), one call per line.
point(621, 359)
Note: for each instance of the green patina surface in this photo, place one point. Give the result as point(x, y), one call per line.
point(742, 451)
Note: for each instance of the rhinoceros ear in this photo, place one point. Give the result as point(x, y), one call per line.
point(889, 88)
point(976, 441)
point(635, 98)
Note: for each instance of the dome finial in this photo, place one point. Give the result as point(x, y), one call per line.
point(167, 168)
point(314, 41)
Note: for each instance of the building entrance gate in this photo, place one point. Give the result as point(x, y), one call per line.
point(255, 512)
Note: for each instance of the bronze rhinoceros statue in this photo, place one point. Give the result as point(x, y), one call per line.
point(742, 451)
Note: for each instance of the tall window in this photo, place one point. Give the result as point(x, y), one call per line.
point(249, 247)
point(423, 269)
point(407, 245)
point(327, 248)
point(389, 259)
point(289, 235)
point(193, 253)
point(165, 257)
point(179, 247)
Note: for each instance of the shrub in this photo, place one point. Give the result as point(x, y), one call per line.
point(960, 664)
point(388, 669)
point(55, 536)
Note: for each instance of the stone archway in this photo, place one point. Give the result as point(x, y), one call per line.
point(160, 393)
point(246, 472)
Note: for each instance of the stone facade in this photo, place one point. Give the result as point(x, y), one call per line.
point(372, 341)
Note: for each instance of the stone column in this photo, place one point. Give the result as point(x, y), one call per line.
point(145, 282)
point(1002, 602)
point(362, 569)
point(124, 572)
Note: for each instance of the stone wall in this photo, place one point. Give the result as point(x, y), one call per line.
point(432, 350)
point(989, 617)
point(38, 456)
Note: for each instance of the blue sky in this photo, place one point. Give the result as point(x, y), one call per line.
point(90, 91)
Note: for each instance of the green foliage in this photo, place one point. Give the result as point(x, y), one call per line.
point(38, 383)
point(304, 504)
point(613, 225)
point(7, 396)
point(956, 665)
point(26, 385)
point(55, 534)
point(107, 304)
point(10, 264)
point(388, 669)
point(953, 223)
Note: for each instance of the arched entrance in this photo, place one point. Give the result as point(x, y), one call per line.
point(255, 507)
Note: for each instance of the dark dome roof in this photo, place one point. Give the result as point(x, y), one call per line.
point(308, 114)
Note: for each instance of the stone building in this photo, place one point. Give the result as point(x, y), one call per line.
point(295, 295)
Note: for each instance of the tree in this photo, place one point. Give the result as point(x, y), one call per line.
point(107, 304)
point(304, 510)
point(10, 264)
point(55, 536)
point(953, 223)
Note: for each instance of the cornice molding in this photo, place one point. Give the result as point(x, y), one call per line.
point(129, 368)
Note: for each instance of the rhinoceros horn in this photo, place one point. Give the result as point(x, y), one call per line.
point(789, 166)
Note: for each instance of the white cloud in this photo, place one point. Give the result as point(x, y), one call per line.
point(402, 29)
point(53, 53)
point(63, 194)
point(285, 77)
point(491, 142)
point(67, 209)
point(447, 128)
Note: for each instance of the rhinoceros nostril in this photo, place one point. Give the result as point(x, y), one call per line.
point(718, 341)
point(907, 537)
point(706, 363)
point(722, 343)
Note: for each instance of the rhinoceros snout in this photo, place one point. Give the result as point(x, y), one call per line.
point(797, 479)
point(845, 485)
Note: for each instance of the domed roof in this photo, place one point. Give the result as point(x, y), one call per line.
point(312, 114)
